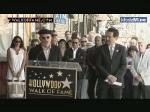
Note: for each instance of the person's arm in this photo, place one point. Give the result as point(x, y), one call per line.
point(133, 70)
point(27, 58)
point(9, 62)
point(123, 64)
point(146, 72)
point(32, 55)
point(81, 58)
point(89, 59)
point(98, 63)
point(59, 55)
point(23, 64)
point(65, 57)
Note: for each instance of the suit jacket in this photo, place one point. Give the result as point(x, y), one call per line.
point(37, 53)
point(141, 66)
point(115, 66)
point(80, 56)
point(90, 57)
point(90, 53)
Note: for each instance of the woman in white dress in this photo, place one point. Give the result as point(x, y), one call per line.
point(16, 56)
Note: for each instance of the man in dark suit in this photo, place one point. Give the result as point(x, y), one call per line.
point(45, 51)
point(92, 72)
point(111, 63)
point(76, 54)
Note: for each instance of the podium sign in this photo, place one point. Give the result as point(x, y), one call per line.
point(47, 82)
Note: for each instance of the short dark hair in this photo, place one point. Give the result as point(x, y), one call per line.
point(134, 38)
point(34, 40)
point(132, 48)
point(67, 31)
point(114, 30)
point(75, 38)
point(61, 40)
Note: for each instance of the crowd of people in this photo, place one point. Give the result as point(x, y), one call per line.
point(103, 61)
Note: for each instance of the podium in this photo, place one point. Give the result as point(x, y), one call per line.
point(56, 80)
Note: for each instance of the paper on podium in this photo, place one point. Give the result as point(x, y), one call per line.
point(115, 83)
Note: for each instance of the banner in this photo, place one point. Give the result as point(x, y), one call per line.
point(61, 18)
point(51, 83)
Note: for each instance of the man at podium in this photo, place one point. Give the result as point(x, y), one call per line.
point(48, 77)
point(45, 51)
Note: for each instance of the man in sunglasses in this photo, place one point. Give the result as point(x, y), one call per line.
point(45, 50)
point(76, 54)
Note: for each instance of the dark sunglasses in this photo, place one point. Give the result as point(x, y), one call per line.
point(17, 41)
point(74, 42)
point(44, 38)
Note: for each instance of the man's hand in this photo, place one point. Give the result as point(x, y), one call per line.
point(111, 79)
point(138, 77)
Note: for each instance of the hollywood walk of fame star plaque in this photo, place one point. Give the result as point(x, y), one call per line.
point(52, 80)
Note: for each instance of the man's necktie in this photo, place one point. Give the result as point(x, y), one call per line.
point(111, 51)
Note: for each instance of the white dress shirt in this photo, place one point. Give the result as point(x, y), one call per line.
point(113, 48)
point(74, 52)
point(46, 51)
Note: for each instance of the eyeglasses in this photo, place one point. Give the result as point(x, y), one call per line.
point(17, 41)
point(44, 38)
